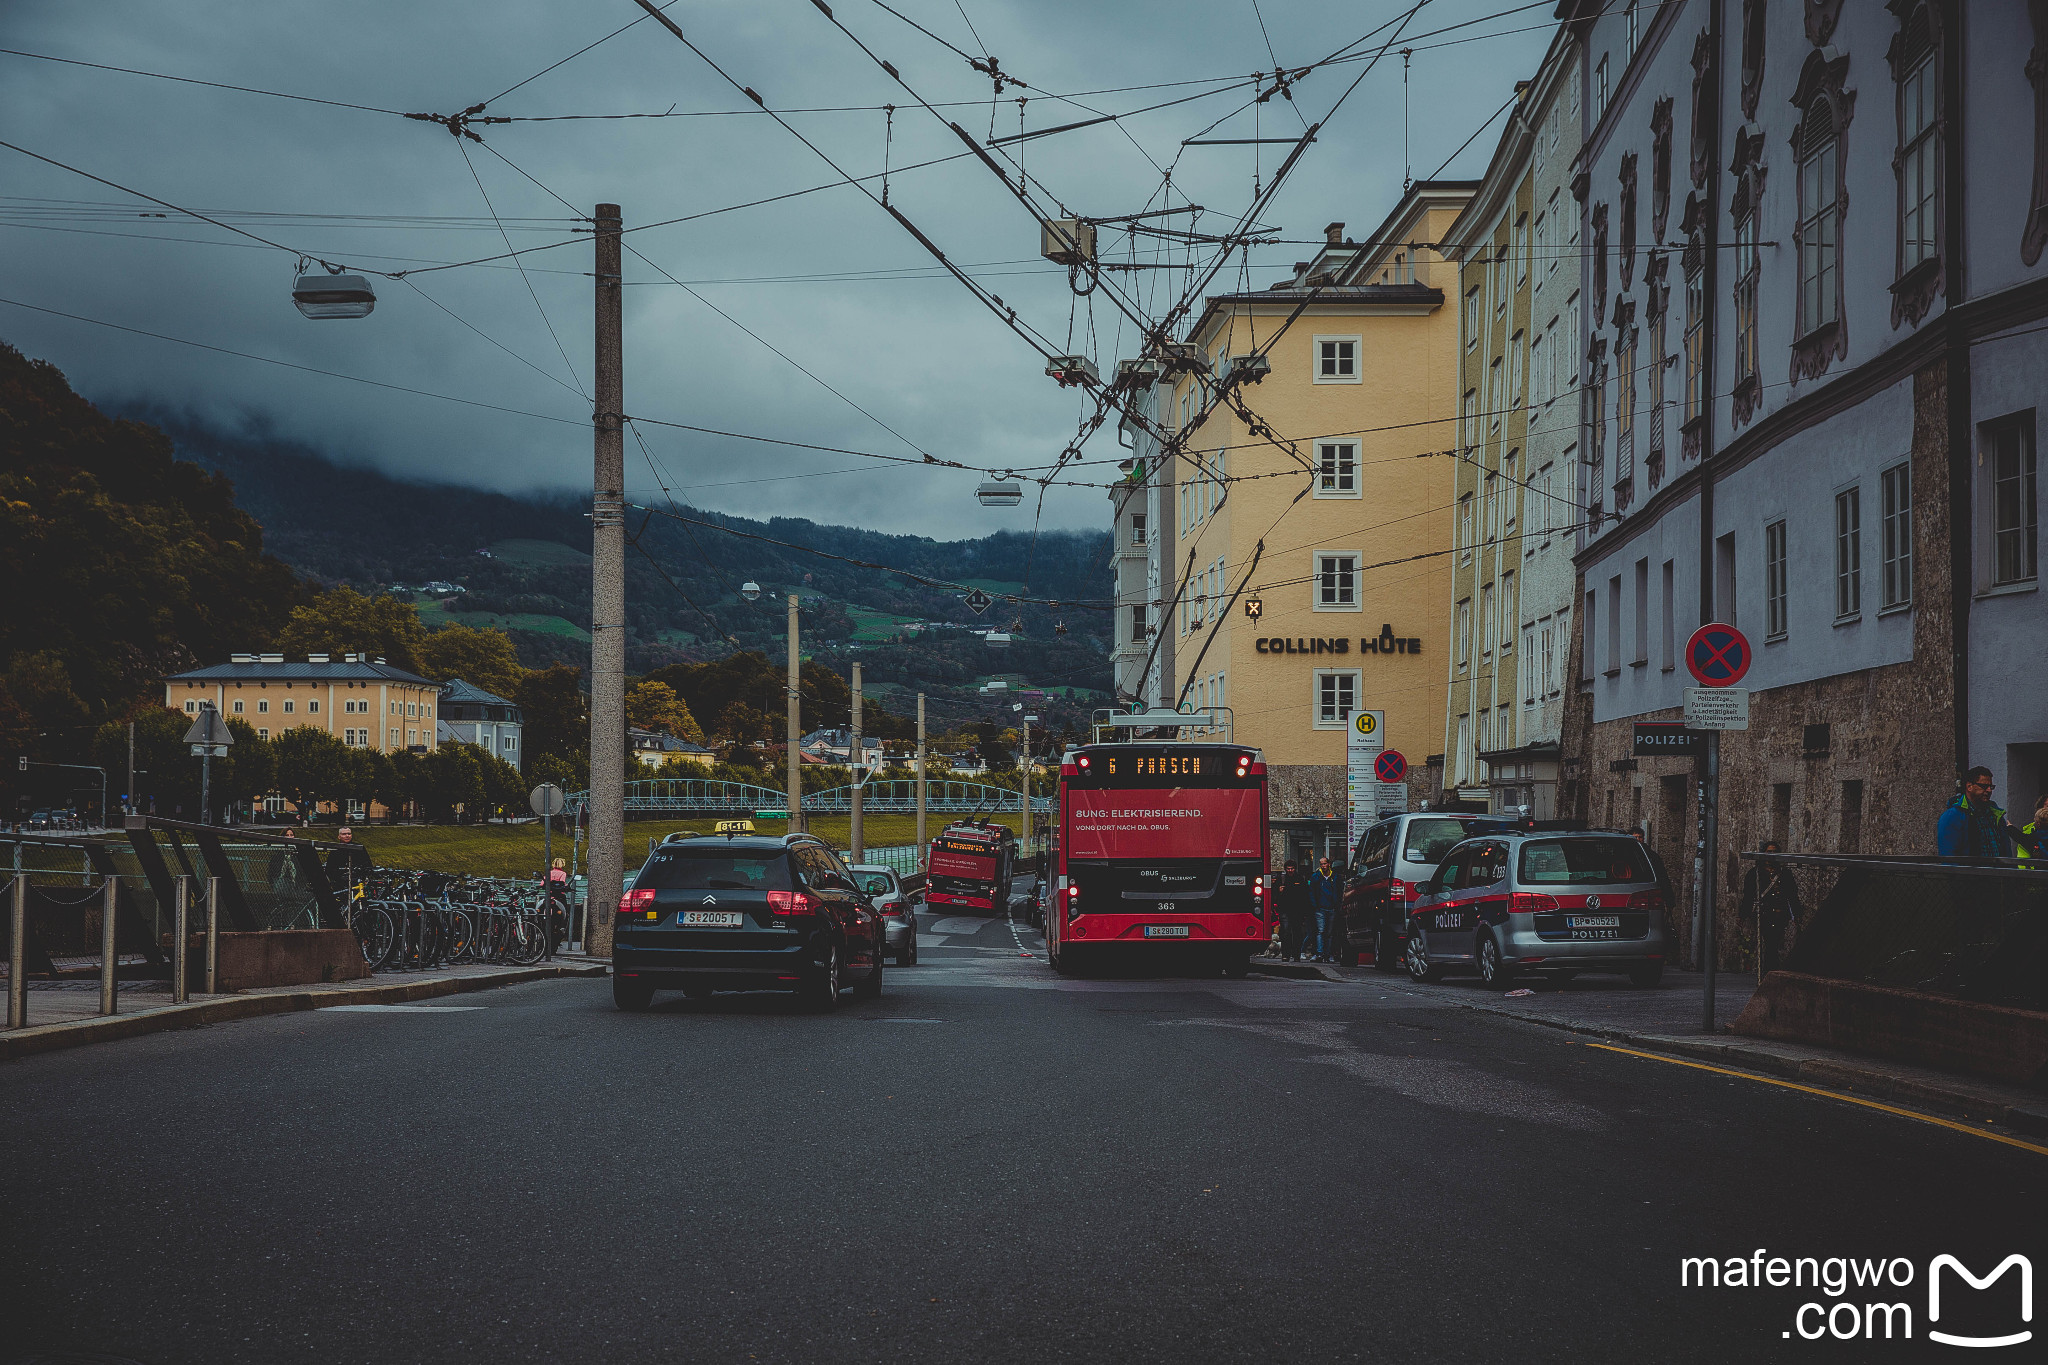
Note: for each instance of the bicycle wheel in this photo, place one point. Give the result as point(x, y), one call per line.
point(384, 938)
point(529, 941)
point(461, 935)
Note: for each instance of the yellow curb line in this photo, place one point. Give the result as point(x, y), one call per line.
point(1828, 1094)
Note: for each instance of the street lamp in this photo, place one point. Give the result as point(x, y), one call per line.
point(333, 295)
point(750, 590)
point(1000, 493)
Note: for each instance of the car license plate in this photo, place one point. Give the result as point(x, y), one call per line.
point(1593, 922)
point(1166, 931)
point(723, 919)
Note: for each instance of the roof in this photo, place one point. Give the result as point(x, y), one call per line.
point(456, 690)
point(665, 743)
point(301, 672)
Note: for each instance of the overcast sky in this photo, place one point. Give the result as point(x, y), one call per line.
point(916, 351)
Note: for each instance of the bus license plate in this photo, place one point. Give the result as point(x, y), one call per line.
point(1593, 922)
point(723, 919)
point(1166, 931)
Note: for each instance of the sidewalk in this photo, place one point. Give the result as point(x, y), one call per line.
point(1666, 1019)
point(65, 1013)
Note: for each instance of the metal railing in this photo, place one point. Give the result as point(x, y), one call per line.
point(1973, 932)
point(66, 928)
point(710, 796)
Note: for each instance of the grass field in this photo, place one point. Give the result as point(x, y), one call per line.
point(515, 850)
point(435, 611)
point(869, 624)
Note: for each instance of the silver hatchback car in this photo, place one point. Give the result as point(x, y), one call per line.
point(1559, 904)
point(896, 906)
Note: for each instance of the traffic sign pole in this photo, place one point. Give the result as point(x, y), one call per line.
point(1717, 655)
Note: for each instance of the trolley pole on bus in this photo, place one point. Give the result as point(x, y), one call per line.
point(1027, 786)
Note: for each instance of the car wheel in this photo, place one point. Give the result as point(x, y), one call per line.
point(1494, 969)
point(631, 994)
point(1384, 958)
point(871, 985)
point(1646, 975)
point(821, 990)
point(1417, 960)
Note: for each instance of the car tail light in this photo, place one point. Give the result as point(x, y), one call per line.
point(1400, 891)
point(1646, 900)
point(1531, 903)
point(638, 905)
point(792, 903)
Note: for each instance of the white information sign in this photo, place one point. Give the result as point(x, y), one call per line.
point(1367, 736)
point(1717, 708)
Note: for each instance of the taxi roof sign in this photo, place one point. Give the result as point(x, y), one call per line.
point(733, 827)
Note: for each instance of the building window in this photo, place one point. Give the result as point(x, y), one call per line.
point(263, 708)
point(1464, 545)
point(1625, 419)
point(1896, 495)
point(288, 706)
point(1493, 395)
point(1337, 360)
point(191, 707)
point(1633, 18)
point(1336, 581)
point(1695, 344)
point(1469, 423)
point(262, 732)
point(1517, 385)
point(1600, 87)
point(1572, 342)
point(1775, 593)
point(1336, 697)
point(1919, 166)
point(2014, 518)
point(1522, 250)
point(238, 706)
point(511, 744)
point(1546, 645)
point(1510, 492)
point(1337, 469)
point(1848, 553)
point(1818, 218)
point(1642, 655)
point(1509, 605)
point(1747, 271)
point(1462, 630)
point(1473, 326)
point(1137, 529)
point(313, 707)
point(1486, 622)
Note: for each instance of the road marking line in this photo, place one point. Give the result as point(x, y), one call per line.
point(404, 1009)
point(1829, 1094)
point(1011, 916)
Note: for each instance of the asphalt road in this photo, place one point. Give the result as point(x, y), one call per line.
point(990, 1163)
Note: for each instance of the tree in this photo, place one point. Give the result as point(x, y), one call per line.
point(343, 621)
point(311, 764)
point(655, 706)
point(484, 658)
point(250, 770)
point(569, 776)
point(740, 723)
point(557, 714)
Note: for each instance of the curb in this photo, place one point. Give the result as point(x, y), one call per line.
point(78, 1032)
point(1300, 971)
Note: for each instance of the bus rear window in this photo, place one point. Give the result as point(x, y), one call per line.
point(1570, 861)
point(715, 869)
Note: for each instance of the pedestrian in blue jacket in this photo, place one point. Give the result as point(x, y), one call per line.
point(1325, 893)
point(1973, 825)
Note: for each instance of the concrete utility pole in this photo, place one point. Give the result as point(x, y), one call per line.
point(855, 752)
point(1027, 785)
point(920, 780)
point(128, 802)
point(796, 762)
point(607, 602)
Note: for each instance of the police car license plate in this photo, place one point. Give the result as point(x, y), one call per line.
point(1593, 921)
point(721, 919)
point(1166, 931)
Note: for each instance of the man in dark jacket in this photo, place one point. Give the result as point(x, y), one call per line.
point(1295, 912)
point(1973, 825)
point(1325, 895)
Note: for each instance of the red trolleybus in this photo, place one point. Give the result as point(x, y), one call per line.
point(1162, 854)
point(970, 865)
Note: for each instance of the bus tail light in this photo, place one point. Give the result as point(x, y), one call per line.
point(1646, 900)
point(638, 905)
point(1531, 903)
point(1073, 894)
point(1259, 896)
point(781, 903)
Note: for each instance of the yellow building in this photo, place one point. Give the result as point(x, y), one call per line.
point(364, 702)
point(1329, 510)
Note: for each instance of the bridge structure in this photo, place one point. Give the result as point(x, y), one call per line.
point(711, 796)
